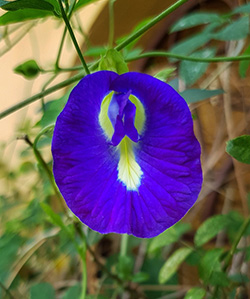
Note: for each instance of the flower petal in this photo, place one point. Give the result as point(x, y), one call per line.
point(136, 188)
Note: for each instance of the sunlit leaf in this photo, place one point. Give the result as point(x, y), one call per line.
point(163, 75)
point(195, 19)
point(171, 235)
point(82, 3)
point(195, 293)
point(210, 228)
point(239, 148)
point(113, 61)
point(24, 4)
point(24, 15)
point(173, 263)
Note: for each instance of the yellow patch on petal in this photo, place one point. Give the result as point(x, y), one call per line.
point(129, 171)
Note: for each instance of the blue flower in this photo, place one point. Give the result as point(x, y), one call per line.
point(126, 159)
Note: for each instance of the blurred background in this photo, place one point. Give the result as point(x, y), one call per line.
point(216, 119)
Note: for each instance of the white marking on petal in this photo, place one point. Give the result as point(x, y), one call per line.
point(129, 171)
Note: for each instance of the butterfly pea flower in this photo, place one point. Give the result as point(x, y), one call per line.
point(126, 159)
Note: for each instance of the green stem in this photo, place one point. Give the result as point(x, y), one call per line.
point(111, 23)
point(66, 20)
point(60, 48)
point(45, 167)
point(124, 245)
point(63, 38)
point(230, 254)
point(190, 58)
point(150, 24)
point(84, 277)
point(41, 94)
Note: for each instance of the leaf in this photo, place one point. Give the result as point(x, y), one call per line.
point(82, 3)
point(191, 71)
point(140, 277)
point(195, 293)
point(125, 267)
point(210, 228)
point(113, 61)
point(55, 218)
point(195, 19)
point(24, 4)
point(170, 236)
point(244, 64)
point(163, 75)
point(72, 292)
point(191, 44)
point(236, 30)
point(242, 9)
point(28, 69)
point(210, 268)
point(23, 15)
point(43, 290)
point(95, 51)
point(239, 148)
point(197, 95)
point(173, 263)
point(2, 2)
point(52, 109)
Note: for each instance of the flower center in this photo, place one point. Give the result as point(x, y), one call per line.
point(122, 119)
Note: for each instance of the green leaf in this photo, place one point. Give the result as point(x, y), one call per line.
point(173, 263)
point(191, 44)
point(244, 64)
point(113, 61)
point(24, 4)
point(42, 290)
point(170, 236)
point(2, 2)
point(140, 277)
point(29, 69)
point(24, 15)
point(95, 51)
point(195, 293)
point(242, 9)
point(72, 292)
point(191, 71)
point(210, 268)
point(210, 228)
point(236, 30)
point(82, 3)
point(239, 148)
point(54, 218)
point(197, 95)
point(163, 75)
point(125, 267)
point(195, 19)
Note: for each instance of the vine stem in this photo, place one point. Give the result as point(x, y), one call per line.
point(72, 35)
point(150, 24)
point(111, 23)
point(41, 94)
point(124, 245)
point(189, 58)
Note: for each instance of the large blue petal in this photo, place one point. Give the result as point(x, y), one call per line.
point(85, 163)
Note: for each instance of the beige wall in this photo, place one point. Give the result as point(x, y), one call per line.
point(40, 43)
